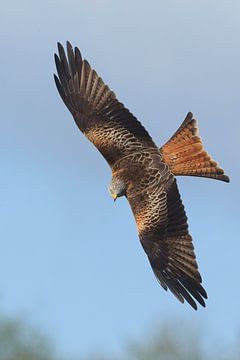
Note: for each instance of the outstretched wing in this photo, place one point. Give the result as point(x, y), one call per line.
point(96, 111)
point(163, 232)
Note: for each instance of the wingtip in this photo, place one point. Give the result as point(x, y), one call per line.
point(192, 303)
point(78, 56)
point(60, 47)
point(70, 49)
point(69, 45)
point(194, 307)
point(189, 115)
point(56, 58)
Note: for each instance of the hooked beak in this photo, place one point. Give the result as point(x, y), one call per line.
point(114, 196)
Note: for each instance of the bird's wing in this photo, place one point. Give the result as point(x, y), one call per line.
point(95, 108)
point(163, 231)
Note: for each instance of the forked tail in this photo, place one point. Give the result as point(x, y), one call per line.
point(185, 154)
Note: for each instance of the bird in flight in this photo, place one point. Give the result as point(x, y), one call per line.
point(142, 172)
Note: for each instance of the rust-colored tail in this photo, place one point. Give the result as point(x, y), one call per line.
point(185, 154)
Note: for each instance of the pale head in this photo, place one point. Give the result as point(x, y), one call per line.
point(117, 188)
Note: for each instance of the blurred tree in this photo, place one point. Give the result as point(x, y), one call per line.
point(174, 341)
point(167, 343)
point(19, 341)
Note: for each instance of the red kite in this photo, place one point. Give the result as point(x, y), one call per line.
point(142, 172)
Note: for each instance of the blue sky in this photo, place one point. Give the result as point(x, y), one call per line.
point(71, 261)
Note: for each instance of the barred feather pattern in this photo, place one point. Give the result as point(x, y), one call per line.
point(97, 112)
point(163, 232)
point(185, 153)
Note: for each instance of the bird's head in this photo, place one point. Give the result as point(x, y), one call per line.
point(117, 188)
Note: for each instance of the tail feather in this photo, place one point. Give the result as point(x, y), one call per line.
point(185, 153)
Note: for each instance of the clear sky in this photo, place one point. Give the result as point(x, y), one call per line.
point(71, 261)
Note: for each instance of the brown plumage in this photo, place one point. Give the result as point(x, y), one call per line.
point(185, 154)
point(141, 171)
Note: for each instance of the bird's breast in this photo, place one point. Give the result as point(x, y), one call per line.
point(141, 171)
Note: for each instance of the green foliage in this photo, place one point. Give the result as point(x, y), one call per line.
point(167, 344)
point(18, 341)
point(175, 341)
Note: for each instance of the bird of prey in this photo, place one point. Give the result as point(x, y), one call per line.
point(142, 172)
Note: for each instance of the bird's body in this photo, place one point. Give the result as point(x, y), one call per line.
point(142, 172)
